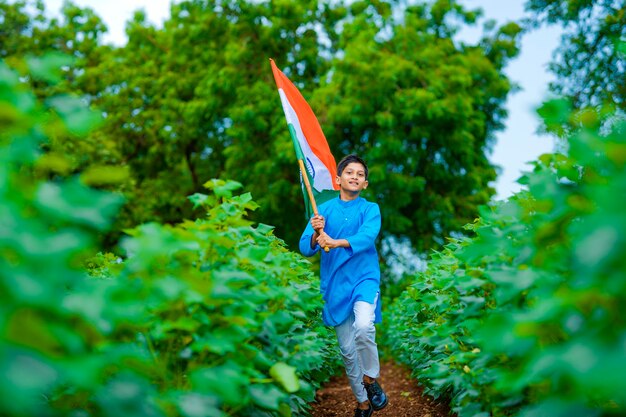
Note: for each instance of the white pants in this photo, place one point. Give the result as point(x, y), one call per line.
point(357, 342)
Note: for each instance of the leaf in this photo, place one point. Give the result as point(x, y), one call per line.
point(286, 376)
point(284, 410)
point(196, 405)
point(219, 341)
point(264, 229)
point(104, 175)
point(198, 199)
point(72, 201)
point(223, 188)
point(267, 396)
point(78, 118)
point(48, 67)
point(556, 113)
point(597, 245)
point(518, 279)
point(226, 381)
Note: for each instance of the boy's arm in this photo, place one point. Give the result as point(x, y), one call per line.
point(307, 241)
point(362, 240)
point(328, 242)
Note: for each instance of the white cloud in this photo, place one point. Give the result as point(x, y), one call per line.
point(115, 13)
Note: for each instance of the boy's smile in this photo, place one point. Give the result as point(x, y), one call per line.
point(352, 181)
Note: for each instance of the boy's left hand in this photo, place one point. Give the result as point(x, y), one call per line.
point(326, 241)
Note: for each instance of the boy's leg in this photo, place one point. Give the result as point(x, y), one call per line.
point(365, 338)
point(347, 346)
point(367, 351)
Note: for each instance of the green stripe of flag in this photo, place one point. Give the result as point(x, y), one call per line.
point(320, 197)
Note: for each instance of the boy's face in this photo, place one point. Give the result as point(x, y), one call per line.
point(352, 178)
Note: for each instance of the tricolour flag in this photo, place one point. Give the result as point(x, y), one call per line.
point(308, 140)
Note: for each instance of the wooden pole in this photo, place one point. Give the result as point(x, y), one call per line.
point(309, 191)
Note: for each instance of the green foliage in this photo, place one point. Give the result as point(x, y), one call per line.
point(72, 47)
point(422, 112)
point(196, 100)
point(207, 318)
point(527, 318)
point(589, 64)
point(228, 312)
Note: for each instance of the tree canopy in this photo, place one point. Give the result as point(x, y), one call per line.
point(589, 63)
point(195, 100)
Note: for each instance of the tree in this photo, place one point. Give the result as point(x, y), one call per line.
point(195, 100)
point(589, 66)
point(422, 111)
point(27, 31)
point(439, 171)
point(73, 42)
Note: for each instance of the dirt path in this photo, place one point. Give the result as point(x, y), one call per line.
point(335, 399)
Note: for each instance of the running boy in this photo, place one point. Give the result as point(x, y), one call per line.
point(350, 279)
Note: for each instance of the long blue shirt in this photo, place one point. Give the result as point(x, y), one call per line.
point(348, 274)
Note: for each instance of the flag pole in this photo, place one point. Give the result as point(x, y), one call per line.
point(307, 184)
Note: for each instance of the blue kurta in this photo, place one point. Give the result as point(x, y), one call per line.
point(349, 274)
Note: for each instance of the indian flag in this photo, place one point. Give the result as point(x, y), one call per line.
point(308, 140)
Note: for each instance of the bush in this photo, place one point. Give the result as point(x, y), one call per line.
point(526, 318)
point(211, 317)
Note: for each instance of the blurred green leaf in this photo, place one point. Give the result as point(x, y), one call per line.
point(267, 396)
point(223, 188)
point(78, 118)
point(198, 199)
point(196, 405)
point(555, 113)
point(104, 175)
point(48, 67)
point(71, 201)
point(226, 381)
point(286, 376)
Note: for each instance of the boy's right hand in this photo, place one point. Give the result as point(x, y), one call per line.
point(318, 222)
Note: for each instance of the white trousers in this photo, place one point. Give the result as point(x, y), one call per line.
point(357, 342)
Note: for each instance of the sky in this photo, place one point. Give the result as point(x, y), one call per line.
point(515, 146)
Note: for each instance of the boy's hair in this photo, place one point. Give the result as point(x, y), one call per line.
point(348, 159)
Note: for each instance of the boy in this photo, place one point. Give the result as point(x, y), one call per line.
point(350, 279)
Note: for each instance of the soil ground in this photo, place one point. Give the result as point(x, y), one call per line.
point(335, 399)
